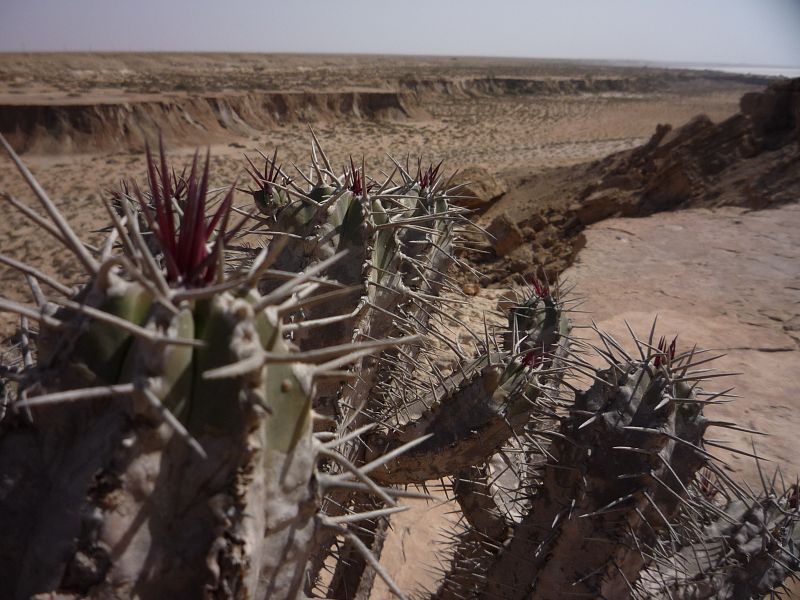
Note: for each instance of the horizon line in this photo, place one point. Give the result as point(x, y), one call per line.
point(630, 61)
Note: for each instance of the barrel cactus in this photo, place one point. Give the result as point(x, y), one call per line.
point(234, 400)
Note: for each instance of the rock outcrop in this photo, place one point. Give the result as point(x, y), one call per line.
point(479, 187)
point(750, 159)
point(88, 125)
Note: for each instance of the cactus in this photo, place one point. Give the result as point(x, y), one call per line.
point(746, 545)
point(234, 399)
point(172, 420)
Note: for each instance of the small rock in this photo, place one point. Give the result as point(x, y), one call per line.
point(547, 238)
point(480, 187)
point(538, 222)
point(603, 204)
point(471, 288)
point(505, 233)
point(517, 265)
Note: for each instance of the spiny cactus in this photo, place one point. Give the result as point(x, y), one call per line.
point(618, 478)
point(149, 347)
point(233, 399)
point(739, 547)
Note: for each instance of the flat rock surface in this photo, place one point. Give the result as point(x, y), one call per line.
point(727, 280)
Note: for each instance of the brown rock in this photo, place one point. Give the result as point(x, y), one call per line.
point(518, 265)
point(670, 187)
point(626, 181)
point(662, 129)
point(471, 288)
point(480, 187)
point(774, 109)
point(505, 234)
point(604, 204)
point(697, 126)
point(538, 221)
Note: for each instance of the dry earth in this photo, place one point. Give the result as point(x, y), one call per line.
point(725, 279)
point(496, 114)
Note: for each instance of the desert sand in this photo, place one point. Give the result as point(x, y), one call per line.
point(722, 278)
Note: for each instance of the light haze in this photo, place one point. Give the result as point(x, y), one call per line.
point(751, 32)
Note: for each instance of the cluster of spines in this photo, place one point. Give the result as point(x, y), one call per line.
point(174, 308)
point(403, 234)
point(727, 542)
point(497, 553)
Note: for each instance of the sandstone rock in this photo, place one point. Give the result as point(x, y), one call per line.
point(662, 129)
point(774, 109)
point(480, 185)
point(506, 235)
point(471, 288)
point(696, 126)
point(670, 187)
point(603, 204)
point(624, 181)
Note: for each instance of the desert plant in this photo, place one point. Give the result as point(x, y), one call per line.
point(234, 398)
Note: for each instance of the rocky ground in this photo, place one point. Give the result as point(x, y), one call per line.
point(750, 159)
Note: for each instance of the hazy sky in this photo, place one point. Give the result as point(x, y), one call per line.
point(765, 32)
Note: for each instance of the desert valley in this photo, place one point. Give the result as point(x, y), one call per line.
point(644, 191)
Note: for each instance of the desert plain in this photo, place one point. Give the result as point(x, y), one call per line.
point(574, 169)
